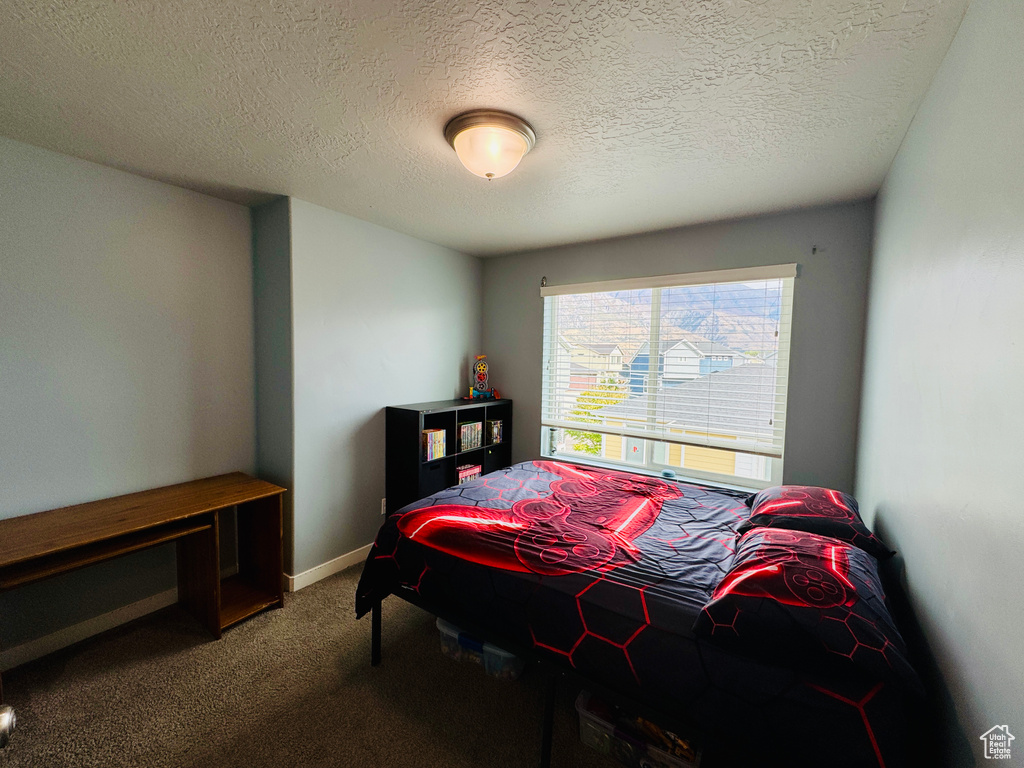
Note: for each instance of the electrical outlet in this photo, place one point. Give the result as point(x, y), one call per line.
point(383, 506)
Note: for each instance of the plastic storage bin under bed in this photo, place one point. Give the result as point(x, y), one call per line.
point(631, 740)
point(496, 662)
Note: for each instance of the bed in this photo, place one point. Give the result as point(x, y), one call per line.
point(624, 580)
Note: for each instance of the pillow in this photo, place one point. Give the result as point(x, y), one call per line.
point(815, 510)
point(793, 596)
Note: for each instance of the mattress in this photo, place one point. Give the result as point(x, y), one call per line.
point(605, 573)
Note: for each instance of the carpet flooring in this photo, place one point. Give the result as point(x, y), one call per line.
point(290, 687)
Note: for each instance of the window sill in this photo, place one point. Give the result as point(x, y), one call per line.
point(753, 487)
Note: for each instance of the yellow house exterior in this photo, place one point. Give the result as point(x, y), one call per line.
point(686, 457)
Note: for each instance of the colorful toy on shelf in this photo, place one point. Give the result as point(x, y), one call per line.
point(478, 381)
point(480, 374)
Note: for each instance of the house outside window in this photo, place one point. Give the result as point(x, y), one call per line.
point(701, 388)
point(634, 449)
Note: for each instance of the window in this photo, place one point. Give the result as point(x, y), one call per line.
point(701, 388)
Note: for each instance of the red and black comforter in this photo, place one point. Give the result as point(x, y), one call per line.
point(607, 572)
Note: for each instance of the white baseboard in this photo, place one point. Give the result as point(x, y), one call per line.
point(313, 575)
point(35, 649)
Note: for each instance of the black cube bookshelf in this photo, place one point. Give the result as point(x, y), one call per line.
point(410, 476)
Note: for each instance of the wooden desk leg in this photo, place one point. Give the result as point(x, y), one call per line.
point(199, 577)
point(260, 546)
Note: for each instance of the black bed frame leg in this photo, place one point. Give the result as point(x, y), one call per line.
point(550, 689)
point(375, 635)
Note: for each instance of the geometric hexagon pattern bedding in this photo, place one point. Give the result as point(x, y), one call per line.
point(606, 572)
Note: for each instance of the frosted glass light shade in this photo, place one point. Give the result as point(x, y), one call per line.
point(490, 152)
point(489, 144)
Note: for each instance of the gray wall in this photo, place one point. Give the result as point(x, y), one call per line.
point(940, 453)
point(126, 357)
point(275, 410)
point(379, 319)
point(832, 246)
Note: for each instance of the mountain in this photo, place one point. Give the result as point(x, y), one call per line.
point(742, 299)
point(742, 316)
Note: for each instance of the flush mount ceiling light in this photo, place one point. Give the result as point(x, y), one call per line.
point(489, 143)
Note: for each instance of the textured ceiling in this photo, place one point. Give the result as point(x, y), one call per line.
point(648, 114)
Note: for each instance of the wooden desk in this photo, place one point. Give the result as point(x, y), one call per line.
point(36, 546)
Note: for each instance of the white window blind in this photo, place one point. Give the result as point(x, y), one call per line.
point(699, 362)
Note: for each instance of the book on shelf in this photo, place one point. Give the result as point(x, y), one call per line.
point(493, 431)
point(433, 444)
point(468, 472)
point(471, 434)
